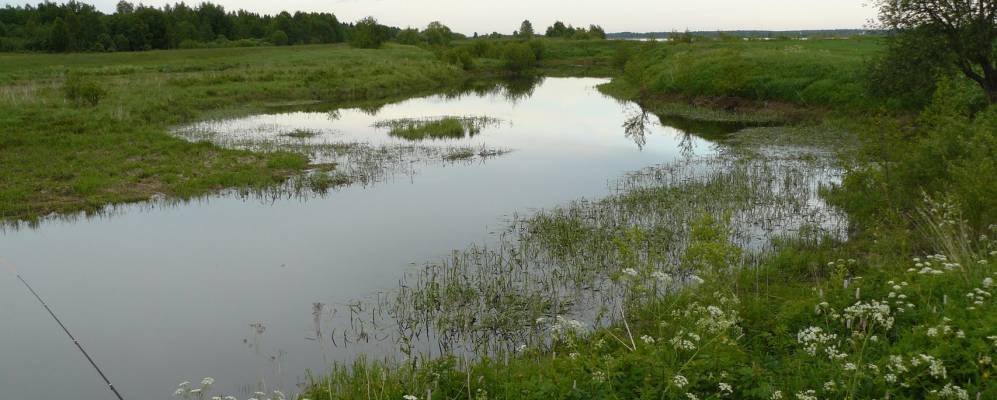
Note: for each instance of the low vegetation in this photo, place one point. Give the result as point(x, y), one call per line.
point(436, 128)
point(96, 132)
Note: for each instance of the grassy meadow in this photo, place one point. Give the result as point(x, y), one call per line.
point(60, 156)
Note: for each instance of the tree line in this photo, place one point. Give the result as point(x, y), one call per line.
point(76, 26)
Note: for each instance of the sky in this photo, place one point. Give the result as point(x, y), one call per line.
point(504, 16)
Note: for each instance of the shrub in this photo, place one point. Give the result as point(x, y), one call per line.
point(622, 55)
point(367, 34)
point(518, 58)
point(410, 36)
point(83, 91)
point(278, 38)
point(460, 56)
point(539, 49)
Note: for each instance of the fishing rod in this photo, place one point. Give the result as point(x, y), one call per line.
point(71, 337)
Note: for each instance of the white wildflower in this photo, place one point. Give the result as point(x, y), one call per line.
point(410, 397)
point(680, 381)
point(726, 388)
point(647, 339)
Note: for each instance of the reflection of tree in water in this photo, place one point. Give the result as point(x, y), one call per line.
point(520, 88)
point(637, 125)
point(513, 89)
point(687, 146)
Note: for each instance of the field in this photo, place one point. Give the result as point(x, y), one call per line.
point(58, 156)
point(811, 73)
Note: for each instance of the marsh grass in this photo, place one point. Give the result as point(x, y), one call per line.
point(301, 134)
point(447, 127)
point(487, 301)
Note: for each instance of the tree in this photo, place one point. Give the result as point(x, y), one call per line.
point(526, 30)
point(59, 38)
point(125, 7)
point(367, 34)
point(278, 38)
point(961, 33)
point(437, 34)
point(409, 36)
point(518, 58)
point(596, 32)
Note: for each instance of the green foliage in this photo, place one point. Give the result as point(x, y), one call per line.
point(437, 34)
point(950, 34)
point(279, 38)
point(409, 36)
point(526, 30)
point(75, 26)
point(817, 72)
point(460, 56)
point(367, 34)
point(560, 30)
point(83, 91)
point(518, 58)
point(622, 56)
point(950, 152)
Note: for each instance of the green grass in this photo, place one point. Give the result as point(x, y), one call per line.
point(58, 156)
point(436, 128)
point(823, 73)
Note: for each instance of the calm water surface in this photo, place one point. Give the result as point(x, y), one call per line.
point(162, 294)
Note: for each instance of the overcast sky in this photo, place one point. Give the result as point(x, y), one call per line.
point(468, 16)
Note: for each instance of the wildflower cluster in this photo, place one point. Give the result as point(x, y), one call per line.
point(933, 265)
point(186, 392)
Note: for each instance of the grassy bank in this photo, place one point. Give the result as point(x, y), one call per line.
point(60, 156)
point(823, 73)
point(671, 299)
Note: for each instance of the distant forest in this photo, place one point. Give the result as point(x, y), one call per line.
point(76, 26)
point(823, 33)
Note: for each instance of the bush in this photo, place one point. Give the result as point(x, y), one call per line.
point(410, 36)
point(367, 34)
point(622, 55)
point(539, 49)
point(279, 38)
point(460, 56)
point(518, 58)
point(83, 91)
point(949, 154)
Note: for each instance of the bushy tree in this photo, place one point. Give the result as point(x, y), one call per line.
point(367, 34)
point(278, 38)
point(409, 36)
point(526, 30)
point(957, 33)
point(437, 34)
point(596, 32)
point(518, 58)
